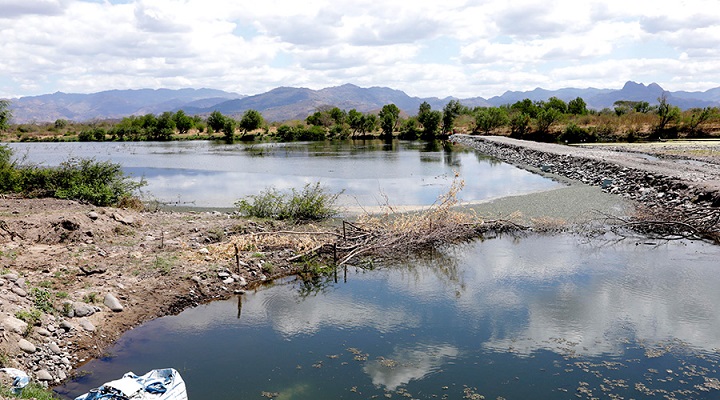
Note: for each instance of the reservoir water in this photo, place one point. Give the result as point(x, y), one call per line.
point(370, 173)
point(542, 317)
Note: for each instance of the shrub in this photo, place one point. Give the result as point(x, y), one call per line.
point(310, 203)
point(576, 134)
point(98, 182)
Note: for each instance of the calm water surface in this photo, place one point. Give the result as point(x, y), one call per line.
point(537, 317)
point(209, 174)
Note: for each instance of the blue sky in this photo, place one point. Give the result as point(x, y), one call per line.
point(460, 48)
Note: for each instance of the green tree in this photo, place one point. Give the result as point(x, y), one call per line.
point(355, 120)
point(338, 115)
point(183, 122)
point(667, 113)
point(164, 128)
point(251, 120)
point(389, 117)
point(526, 106)
point(577, 106)
point(451, 110)
point(698, 116)
point(216, 121)
point(228, 129)
point(519, 125)
point(5, 114)
point(557, 104)
point(410, 129)
point(430, 120)
point(545, 118)
point(487, 119)
point(369, 123)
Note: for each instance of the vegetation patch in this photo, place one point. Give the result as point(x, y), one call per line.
point(312, 202)
point(100, 183)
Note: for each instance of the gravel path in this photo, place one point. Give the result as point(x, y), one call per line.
point(649, 178)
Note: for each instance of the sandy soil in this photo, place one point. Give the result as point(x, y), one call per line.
point(159, 263)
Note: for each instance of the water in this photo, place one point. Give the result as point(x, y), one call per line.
point(505, 317)
point(209, 174)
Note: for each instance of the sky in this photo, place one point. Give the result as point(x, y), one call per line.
point(426, 48)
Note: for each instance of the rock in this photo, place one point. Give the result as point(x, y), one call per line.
point(82, 309)
point(43, 332)
point(196, 279)
point(21, 283)
point(204, 250)
point(26, 346)
point(241, 281)
point(66, 326)
point(93, 215)
point(223, 275)
point(10, 277)
point(43, 375)
point(228, 281)
point(61, 375)
point(54, 348)
point(126, 220)
point(18, 291)
point(87, 325)
point(112, 303)
point(15, 325)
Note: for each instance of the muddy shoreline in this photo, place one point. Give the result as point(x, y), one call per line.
point(160, 263)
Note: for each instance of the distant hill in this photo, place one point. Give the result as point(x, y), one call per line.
point(111, 103)
point(287, 103)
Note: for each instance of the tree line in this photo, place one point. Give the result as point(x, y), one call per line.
point(549, 120)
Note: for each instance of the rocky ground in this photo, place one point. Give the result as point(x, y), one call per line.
point(98, 272)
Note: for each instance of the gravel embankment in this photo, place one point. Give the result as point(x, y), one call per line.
point(641, 177)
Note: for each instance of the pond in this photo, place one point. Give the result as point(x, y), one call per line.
point(541, 317)
point(370, 173)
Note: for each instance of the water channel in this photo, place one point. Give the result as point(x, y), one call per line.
point(542, 317)
point(210, 174)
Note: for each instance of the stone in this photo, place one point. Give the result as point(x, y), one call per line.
point(112, 303)
point(223, 275)
point(19, 291)
point(54, 348)
point(93, 215)
point(228, 281)
point(123, 219)
point(26, 346)
point(10, 277)
point(61, 375)
point(43, 375)
point(21, 283)
point(43, 332)
point(66, 326)
point(87, 325)
point(204, 250)
point(14, 325)
point(82, 309)
point(241, 281)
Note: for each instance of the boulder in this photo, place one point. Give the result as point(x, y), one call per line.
point(43, 375)
point(112, 303)
point(82, 309)
point(26, 346)
point(87, 325)
point(15, 325)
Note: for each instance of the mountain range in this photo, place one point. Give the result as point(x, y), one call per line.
point(288, 103)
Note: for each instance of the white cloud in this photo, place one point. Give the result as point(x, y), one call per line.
point(85, 46)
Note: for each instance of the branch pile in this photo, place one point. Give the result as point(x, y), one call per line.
point(702, 223)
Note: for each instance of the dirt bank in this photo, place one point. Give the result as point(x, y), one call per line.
point(102, 271)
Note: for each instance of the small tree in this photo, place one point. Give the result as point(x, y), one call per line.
point(450, 112)
point(545, 118)
point(487, 119)
point(251, 120)
point(667, 113)
point(577, 106)
point(228, 129)
point(519, 125)
point(557, 104)
point(389, 116)
point(216, 121)
point(183, 122)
